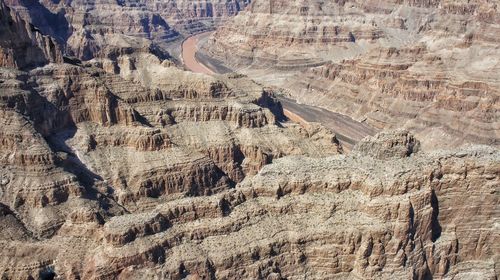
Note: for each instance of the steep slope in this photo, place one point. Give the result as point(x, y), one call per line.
point(196, 16)
point(22, 45)
point(103, 28)
point(129, 142)
point(385, 211)
point(127, 167)
point(430, 66)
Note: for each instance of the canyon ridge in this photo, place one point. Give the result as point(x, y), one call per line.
point(327, 139)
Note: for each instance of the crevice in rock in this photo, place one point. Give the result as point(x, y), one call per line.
point(436, 226)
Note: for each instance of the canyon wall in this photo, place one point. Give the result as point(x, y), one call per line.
point(22, 45)
point(124, 166)
point(386, 211)
point(197, 16)
point(103, 28)
point(92, 140)
point(429, 66)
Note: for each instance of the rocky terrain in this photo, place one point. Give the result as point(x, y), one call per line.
point(429, 66)
point(120, 165)
point(197, 16)
point(22, 45)
point(104, 28)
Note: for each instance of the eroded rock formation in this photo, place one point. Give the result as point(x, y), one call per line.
point(125, 166)
point(405, 214)
point(100, 139)
point(430, 66)
point(22, 45)
point(103, 28)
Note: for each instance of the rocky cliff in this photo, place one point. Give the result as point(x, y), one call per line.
point(103, 28)
point(196, 16)
point(90, 122)
point(124, 166)
point(430, 66)
point(22, 45)
point(126, 134)
point(384, 211)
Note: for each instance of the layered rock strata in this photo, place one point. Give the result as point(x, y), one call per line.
point(429, 66)
point(22, 45)
point(384, 211)
point(197, 16)
point(99, 139)
point(124, 166)
point(103, 28)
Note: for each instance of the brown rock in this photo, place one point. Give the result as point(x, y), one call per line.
point(427, 66)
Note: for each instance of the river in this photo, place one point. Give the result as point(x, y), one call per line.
point(348, 130)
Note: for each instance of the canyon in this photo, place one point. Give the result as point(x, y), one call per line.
point(117, 163)
point(106, 29)
point(347, 130)
point(428, 66)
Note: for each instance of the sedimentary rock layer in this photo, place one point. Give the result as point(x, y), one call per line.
point(22, 45)
point(384, 211)
point(103, 28)
point(125, 166)
point(99, 135)
point(430, 66)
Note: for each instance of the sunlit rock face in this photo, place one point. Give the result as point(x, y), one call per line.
point(84, 143)
point(197, 16)
point(121, 165)
point(430, 66)
point(103, 28)
point(386, 210)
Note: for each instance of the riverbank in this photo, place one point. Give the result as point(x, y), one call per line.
point(348, 131)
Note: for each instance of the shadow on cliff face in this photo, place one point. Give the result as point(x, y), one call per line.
point(95, 186)
point(56, 125)
point(24, 48)
point(47, 274)
point(269, 101)
point(55, 25)
point(71, 162)
point(436, 227)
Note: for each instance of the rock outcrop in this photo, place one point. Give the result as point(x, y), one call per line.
point(124, 166)
point(22, 45)
point(85, 141)
point(429, 66)
point(106, 29)
point(362, 215)
point(193, 17)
